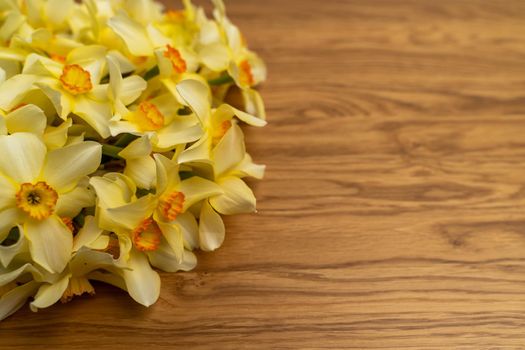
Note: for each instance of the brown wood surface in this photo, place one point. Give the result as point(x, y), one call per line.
point(393, 211)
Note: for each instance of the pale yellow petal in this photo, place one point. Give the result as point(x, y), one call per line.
point(50, 243)
point(238, 198)
point(22, 156)
point(70, 204)
point(96, 114)
point(66, 166)
point(49, 294)
point(230, 151)
point(87, 234)
point(196, 95)
point(142, 282)
point(27, 118)
point(211, 228)
point(173, 236)
point(13, 300)
point(196, 189)
point(141, 171)
point(14, 89)
point(132, 33)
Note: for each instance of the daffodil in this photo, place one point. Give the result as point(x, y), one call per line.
point(40, 191)
point(74, 85)
point(157, 224)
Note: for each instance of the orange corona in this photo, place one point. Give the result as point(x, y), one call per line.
point(246, 75)
point(219, 132)
point(171, 205)
point(76, 80)
point(146, 236)
point(37, 200)
point(148, 117)
point(178, 63)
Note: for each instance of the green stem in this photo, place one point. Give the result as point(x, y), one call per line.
point(125, 140)
point(152, 73)
point(223, 79)
point(111, 151)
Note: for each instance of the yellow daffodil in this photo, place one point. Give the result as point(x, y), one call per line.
point(154, 221)
point(40, 189)
point(165, 155)
point(74, 86)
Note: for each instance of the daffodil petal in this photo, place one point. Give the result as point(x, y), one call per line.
point(96, 114)
point(87, 234)
point(180, 130)
point(22, 156)
point(66, 166)
point(49, 294)
point(70, 204)
point(132, 33)
point(196, 189)
point(196, 95)
point(8, 253)
point(7, 193)
point(189, 229)
point(13, 90)
point(211, 228)
point(164, 258)
point(28, 118)
point(13, 300)
point(130, 215)
point(142, 171)
point(230, 151)
point(238, 198)
point(50, 243)
point(173, 236)
point(142, 282)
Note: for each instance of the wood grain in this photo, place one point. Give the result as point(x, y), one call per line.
point(392, 215)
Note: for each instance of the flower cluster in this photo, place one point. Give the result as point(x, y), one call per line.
point(120, 145)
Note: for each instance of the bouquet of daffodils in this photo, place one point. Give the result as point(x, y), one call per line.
point(120, 144)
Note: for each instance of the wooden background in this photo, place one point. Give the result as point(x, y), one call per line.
point(393, 211)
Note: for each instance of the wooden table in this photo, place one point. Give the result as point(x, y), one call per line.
point(393, 211)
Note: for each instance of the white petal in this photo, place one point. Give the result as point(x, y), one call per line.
point(66, 166)
point(22, 156)
point(237, 198)
point(50, 243)
point(211, 228)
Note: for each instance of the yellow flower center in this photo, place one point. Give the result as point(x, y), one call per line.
point(246, 76)
point(37, 200)
point(76, 80)
point(171, 205)
point(146, 236)
point(178, 63)
point(219, 132)
point(148, 117)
